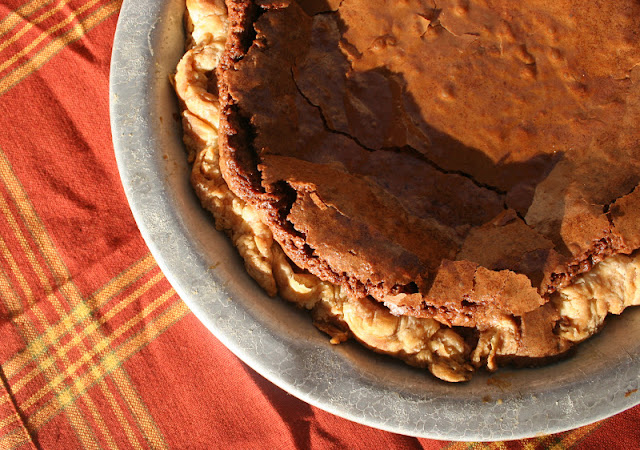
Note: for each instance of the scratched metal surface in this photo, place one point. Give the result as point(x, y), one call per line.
point(272, 337)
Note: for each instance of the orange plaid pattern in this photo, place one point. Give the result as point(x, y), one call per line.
point(94, 342)
point(75, 346)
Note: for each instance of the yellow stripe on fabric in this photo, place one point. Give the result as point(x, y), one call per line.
point(32, 221)
point(80, 313)
point(5, 401)
point(101, 347)
point(27, 332)
point(122, 420)
point(138, 410)
point(112, 361)
point(19, 15)
point(13, 225)
point(73, 17)
point(97, 338)
point(7, 420)
point(30, 24)
point(83, 431)
point(40, 235)
point(9, 295)
point(16, 439)
point(48, 369)
point(100, 425)
point(13, 266)
point(460, 445)
point(76, 419)
point(573, 436)
point(37, 346)
point(122, 281)
point(57, 383)
point(77, 338)
point(56, 45)
point(147, 426)
point(18, 307)
point(17, 315)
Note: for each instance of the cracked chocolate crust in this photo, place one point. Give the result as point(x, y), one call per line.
point(414, 216)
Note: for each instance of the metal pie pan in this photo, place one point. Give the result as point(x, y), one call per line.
point(277, 340)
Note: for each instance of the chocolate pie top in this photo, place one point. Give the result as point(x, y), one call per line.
point(458, 160)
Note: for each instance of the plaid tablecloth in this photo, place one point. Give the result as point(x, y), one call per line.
point(96, 348)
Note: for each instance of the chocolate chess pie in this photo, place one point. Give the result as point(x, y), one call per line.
point(453, 183)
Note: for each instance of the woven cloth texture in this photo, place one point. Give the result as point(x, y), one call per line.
point(96, 348)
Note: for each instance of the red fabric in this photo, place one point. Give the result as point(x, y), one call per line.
point(96, 349)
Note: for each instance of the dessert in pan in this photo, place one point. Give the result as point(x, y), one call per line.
point(453, 183)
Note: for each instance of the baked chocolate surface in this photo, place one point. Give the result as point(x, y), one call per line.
point(459, 161)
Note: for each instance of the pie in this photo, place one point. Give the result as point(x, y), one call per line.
point(454, 183)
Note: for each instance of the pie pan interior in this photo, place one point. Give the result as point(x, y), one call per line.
point(280, 342)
